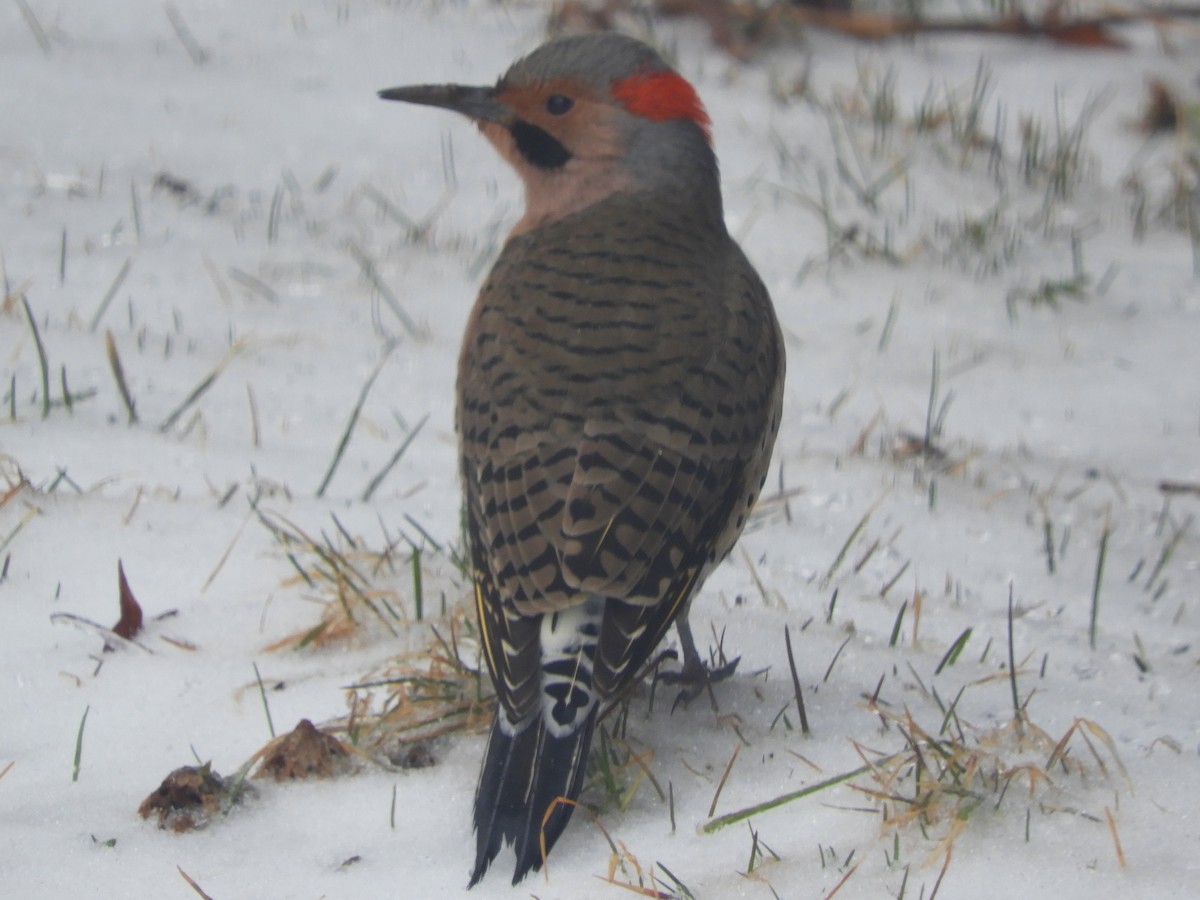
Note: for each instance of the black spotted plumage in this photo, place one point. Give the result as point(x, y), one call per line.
point(619, 392)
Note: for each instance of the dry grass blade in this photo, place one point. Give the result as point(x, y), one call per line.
point(353, 420)
point(195, 887)
point(724, 777)
point(1102, 553)
point(110, 294)
point(383, 473)
point(371, 272)
point(1168, 551)
point(643, 764)
point(41, 353)
point(184, 33)
point(837, 887)
point(198, 391)
point(743, 814)
point(787, 638)
point(1012, 665)
point(833, 662)
point(35, 26)
point(1116, 838)
point(853, 536)
point(758, 582)
point(942, 874)
point(225, 556)
point(254, 285)
point(956, 649)
point(114, 363)
point(335, 571)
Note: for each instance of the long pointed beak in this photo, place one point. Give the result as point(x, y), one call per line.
point(477, 103)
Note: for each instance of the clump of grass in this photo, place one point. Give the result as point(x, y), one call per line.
point(420, 696)
point(434, 688)
point(353, 583)
point(944, 778)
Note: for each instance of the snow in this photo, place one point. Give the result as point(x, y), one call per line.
point(1069, 414)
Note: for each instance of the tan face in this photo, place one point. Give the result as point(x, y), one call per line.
point(565, 142)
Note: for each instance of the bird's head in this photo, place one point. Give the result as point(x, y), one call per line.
point(584, 117)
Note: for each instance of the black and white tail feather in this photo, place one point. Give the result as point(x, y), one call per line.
point(530, 765)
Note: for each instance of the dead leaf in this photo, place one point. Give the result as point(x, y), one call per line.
point(130, 622)
point(305, 752)
point(188, 798)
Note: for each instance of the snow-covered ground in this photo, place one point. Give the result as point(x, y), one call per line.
point(258, 193)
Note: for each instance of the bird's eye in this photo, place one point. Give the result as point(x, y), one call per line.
point(557, 104)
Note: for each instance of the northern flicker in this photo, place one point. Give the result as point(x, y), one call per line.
point(619, 393)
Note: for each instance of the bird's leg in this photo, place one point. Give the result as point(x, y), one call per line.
point(695, 676)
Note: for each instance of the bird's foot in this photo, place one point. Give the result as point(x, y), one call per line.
point(696, 678)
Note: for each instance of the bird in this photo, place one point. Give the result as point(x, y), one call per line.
point(619, 393)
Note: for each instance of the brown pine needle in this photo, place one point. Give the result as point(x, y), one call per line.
point(724, 777)
point(195, 887)
point(1112, 828)
point(942, 874)
point(595, 820)
point(845, 878)
point(228, 550)
point(758, 582)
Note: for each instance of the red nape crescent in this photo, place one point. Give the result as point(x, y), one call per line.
point(660, 96)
